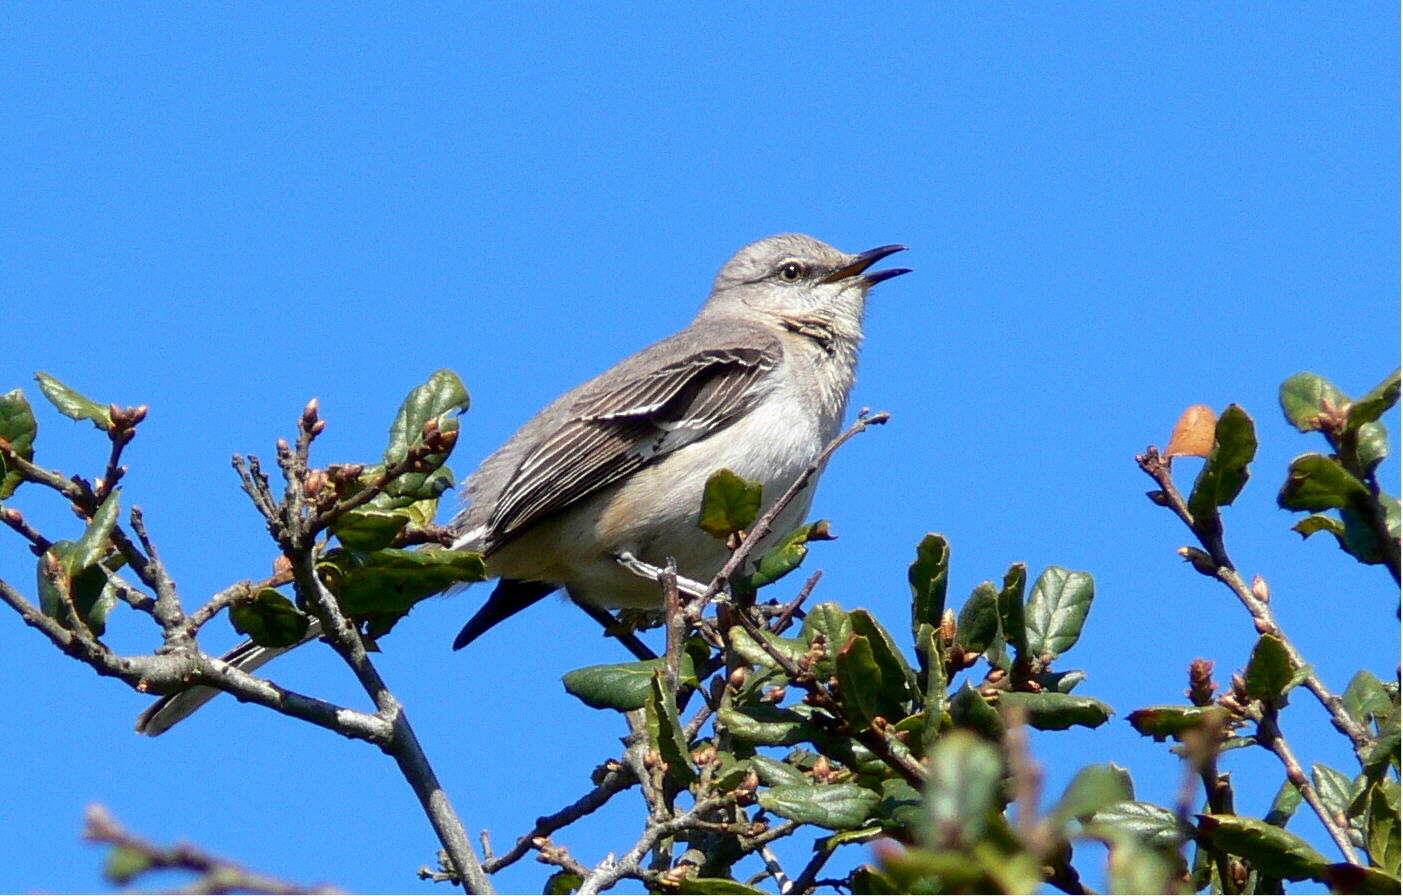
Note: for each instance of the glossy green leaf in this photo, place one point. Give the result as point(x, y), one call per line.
point(769, 726)
point(1284, 805)
point(1376, 403)
point(1343, 877)
point(750, 650)
point(833, 806)
point(832, 623)
point(785, 557)
point(1269, 671)
point(72, 404)
point(443, 397)
point(1315, 482)
point(1334, 787)
point(380, 587)
point(970, 710)
point(965, 771)
point(1320, 523)
point(1161, 722)
point(1225, 471)
point(1359, 537)
point(1057, 610)
point(97, 538)
point(622, 686)
point(1273, 850)
point(903, 808)
point(19, 428)
point(898, 679)
point(269, 619)
point(1050, 711)
point(369, 530)
point(859, 681)
point(1153, 825)
point(775, 773)
point(929, 575)
point(1365, 698)
point(1011, 608)
point(1371, 446)
point(665, 731)
point(1091, 789)
point(1305, 396)
point(1381, 835)
point(1061, 682)
point(730, 504)
point(978, 623)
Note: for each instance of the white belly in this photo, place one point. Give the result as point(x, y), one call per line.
point(653, 513)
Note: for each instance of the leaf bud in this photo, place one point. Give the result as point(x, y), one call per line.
point(738, 676)
point(1260, 589)
point(1201, 683)
point(317, 428)
point(775, 694)
point(309, 413)
point(1200, 560)
point(948, 628)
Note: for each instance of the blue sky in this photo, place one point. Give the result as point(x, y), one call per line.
point(1113, 212)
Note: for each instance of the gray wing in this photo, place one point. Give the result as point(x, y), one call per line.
point(619, 425)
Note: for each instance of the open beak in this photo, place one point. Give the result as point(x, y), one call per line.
point(862, 262)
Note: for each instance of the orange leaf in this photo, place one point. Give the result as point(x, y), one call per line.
point(1193, 434)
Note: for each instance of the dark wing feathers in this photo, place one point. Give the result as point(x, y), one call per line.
point(612, 432)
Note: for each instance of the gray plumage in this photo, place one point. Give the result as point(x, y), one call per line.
point(757, 383)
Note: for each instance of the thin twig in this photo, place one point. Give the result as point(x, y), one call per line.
point(1158, 469)
point(1269, 735)
point(216, 875)
point(617, 779)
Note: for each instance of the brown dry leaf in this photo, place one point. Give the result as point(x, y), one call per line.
point(1193, 434)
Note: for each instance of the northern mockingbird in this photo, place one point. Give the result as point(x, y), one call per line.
point(607, 480)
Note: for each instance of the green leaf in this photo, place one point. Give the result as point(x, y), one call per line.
point(1274, 851)
point(1135, 868)
point(1374, 405)
point(73, 405)
point(978, 623)
point(1315, 482)
point(929, 575)
point(1091, 789)
point(1061, 682)
point(1287, 801)
point(730, 504)
point(18, 427)
point(903, 808)
point(1319, 523)
point(775, 773)
point(1160, 722)
point(859, 681)
point(1365, 698)
point(1371, 446)
point(961, 790)
point(898, 680)
point(97, 538)
point(717, 885)
point(1332, 786)
point(1155, 826)
point(269, 619)
point(562, 883)
point(1057, 610)
point(970, 710)
point(1225, 472)
point(125, 864)
point(1381, 825)
point(834, 806)
point(665, 732)
point(380, 587)
point(1343, 877)
point(869, 881)
point(1011, 608)
point(785, 557)
point(443, 397)
point(1050, 711)
point(750, 650)
point(768, 726)
point(1269, 671)
point(622, 686)
point(1360, 539)
point(832, 622)
point(1305, 396)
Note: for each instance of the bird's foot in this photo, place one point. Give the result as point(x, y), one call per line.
point(685, 586)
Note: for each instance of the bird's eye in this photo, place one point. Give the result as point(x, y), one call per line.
point(791, 271)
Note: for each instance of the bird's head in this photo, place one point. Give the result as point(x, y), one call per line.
point(795, 278)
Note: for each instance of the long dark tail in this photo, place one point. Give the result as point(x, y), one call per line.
point(510, 597)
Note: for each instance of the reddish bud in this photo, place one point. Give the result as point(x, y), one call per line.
point(1260, 589)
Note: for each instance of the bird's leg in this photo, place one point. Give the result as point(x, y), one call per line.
point(685, 586)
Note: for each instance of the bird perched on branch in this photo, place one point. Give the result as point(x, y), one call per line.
point(604, 485)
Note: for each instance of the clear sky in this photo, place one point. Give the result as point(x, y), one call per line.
point(1114, 211)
